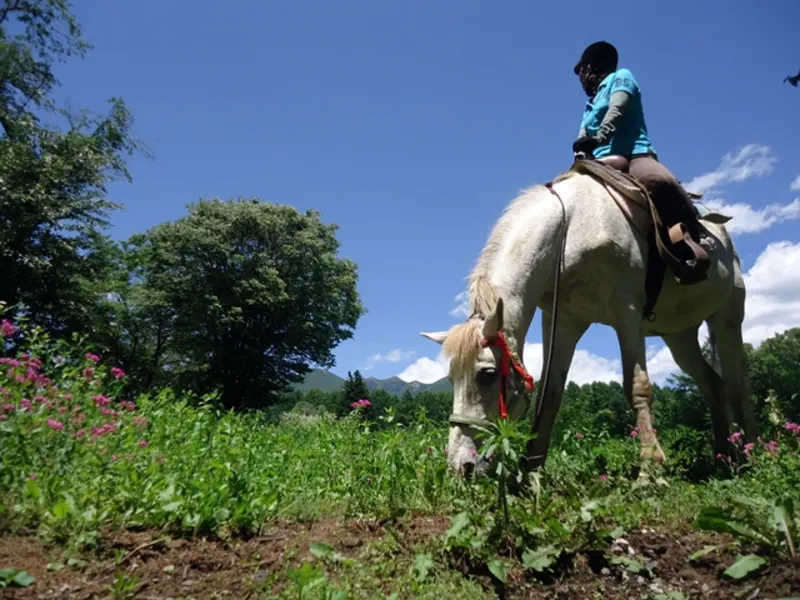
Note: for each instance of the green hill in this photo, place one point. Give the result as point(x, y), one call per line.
point(328, 382)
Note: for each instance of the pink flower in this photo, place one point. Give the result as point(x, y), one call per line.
point(748, 449)
point(143, 444)
point(117, 372)
point(603, 477)
point(88, 373)
point(735, 437)
point(359, 403)
point(80, 433)
point(792, 427)
point(91, 357)
point(55, 424)
point(101, 400)
point(771, 447)
point(7, 328)
point(635, 432)
point(140, 421)
point(579, 436)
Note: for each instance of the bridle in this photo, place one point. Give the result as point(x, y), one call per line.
point(508, 359)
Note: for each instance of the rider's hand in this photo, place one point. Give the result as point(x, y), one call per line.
point(585, 144)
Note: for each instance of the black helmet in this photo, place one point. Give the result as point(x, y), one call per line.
point(599, 54)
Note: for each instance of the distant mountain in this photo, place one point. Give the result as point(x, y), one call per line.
point(326, 381)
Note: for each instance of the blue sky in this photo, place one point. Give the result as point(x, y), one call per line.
point(412, 124)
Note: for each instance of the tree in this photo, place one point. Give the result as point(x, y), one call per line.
point(354, 389)
point(54, 258)
point(254, 292)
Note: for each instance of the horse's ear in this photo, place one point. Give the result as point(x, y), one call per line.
point(437, 336)
point(494, 322)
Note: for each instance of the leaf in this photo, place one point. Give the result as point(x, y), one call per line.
point(713, 518)
point(744, 565)
point(631, 564)
point(321, 550)
point(16, 578)
point(172, 506)
point(423, 563)
point(702, 552)
point(499, 569)
point(457, 523)
point(23, 579)
point(541, 558)
point(781, 520)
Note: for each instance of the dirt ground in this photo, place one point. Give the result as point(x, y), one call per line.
point(245, 568)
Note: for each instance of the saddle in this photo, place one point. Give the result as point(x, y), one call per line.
point(669, 240)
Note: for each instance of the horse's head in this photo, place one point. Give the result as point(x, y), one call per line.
point(483, 371)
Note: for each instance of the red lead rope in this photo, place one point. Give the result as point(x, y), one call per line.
point(506, 362)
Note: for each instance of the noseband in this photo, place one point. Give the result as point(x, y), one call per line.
point(508, 359)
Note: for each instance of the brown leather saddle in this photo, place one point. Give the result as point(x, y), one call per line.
point(692, 261)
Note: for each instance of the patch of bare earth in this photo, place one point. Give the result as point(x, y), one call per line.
point(667, 568)
point(238, 568)
point(196, 567)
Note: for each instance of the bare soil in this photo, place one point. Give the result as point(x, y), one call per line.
point(200, 567)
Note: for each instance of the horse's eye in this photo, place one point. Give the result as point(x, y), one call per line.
point(486, 376)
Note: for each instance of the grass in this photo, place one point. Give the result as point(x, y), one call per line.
point(79, 459)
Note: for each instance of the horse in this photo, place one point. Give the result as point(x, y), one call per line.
point(577, 248)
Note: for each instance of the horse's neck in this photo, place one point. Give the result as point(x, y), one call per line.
point(523, 265)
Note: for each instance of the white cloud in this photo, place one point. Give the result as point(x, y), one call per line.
point(773, 292)
point(747, 219)
point(462, 308)
point(795, 187)
point(393, 356)
point(426, 370)
point(752, 160)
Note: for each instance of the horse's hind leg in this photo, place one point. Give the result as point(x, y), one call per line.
point(685, 350)
point(725, 327)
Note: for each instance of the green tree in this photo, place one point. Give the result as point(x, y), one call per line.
point(355, 389)
point(53, 203)
point(775, 365)
point(254, 293)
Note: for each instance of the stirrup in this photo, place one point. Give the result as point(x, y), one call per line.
point(695, 269)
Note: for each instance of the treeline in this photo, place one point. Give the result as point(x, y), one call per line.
point(239, 297)
point(597, 407)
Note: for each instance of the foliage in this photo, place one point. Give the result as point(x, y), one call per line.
point(247, 294)
point(53, 203)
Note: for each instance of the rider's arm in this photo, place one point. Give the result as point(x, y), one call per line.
point(615, 113)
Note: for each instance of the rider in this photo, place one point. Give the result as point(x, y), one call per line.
point(613, 124)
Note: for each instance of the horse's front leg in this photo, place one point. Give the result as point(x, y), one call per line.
point(636, 384)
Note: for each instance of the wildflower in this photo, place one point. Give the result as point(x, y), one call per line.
point(88, 373)
point(128, 405)
point(771, 447)
point(55, 424)
point(748, 449)
point(113, 457)
point(3, 417)
point(101, 400)
point(359, 403)
point(25, 404)
point(792, 427)
point(117, 372)
point(80, 433)
point(143, 444)
point(33, 477)
point(603, 477)
point(7, 328)
point(91, 357)
point(635, 431)
point(735, 437)
point(579, 436)
point(140, 421)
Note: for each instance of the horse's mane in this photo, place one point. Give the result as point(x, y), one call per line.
point(463, 340)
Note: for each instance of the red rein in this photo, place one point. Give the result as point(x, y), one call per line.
point(506, 362)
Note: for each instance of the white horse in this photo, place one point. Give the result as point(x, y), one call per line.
point(602, 280)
